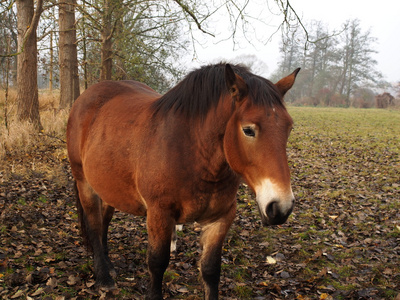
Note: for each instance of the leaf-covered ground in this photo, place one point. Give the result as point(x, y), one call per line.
point(341, 242)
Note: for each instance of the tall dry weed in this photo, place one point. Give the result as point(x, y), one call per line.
point(49, 100)
point(55, 123)
point(18, 137)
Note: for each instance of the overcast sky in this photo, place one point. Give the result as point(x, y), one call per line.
point(382, 18)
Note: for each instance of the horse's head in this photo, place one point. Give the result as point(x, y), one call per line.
point(255, 141)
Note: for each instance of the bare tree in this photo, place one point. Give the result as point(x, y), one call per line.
point(68, 57)
point(8, 42)
point(125, 34)
point(27, 98)
point(333, 66)
point(358, 64)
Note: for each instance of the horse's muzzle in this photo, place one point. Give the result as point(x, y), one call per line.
point(275, 214)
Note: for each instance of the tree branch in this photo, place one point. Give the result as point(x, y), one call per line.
point(298, 19)
point(192, 15)
point(31, 28)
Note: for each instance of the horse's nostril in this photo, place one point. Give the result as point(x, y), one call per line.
point(275, 214)
point(272, 210)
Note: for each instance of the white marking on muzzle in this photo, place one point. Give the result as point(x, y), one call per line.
point(268, 192)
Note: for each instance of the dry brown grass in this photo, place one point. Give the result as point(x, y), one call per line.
point(18, 137)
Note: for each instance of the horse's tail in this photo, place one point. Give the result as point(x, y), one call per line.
point(82, 218)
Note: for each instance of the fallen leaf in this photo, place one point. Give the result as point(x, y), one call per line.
point(52, 282)
point(38, 252)
point(271, 260)
point(89, 284)
point(387, 271)
point(325, 296)
point(72, 280)
point(183, 289)
point(38, 292)
point(18, 254)
point(18, 294)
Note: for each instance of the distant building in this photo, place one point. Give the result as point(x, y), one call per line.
point(384, 100)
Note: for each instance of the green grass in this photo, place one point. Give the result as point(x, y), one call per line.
point(42, 199)
point(345, 166)
point(21, 201)
point(170, 275)
point(243, 292)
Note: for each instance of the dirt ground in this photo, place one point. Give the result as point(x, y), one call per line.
point(341, 242)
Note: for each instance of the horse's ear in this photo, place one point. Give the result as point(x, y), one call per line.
point(287, 82)
point(235, 84)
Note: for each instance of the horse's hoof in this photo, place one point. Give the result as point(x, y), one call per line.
point(154, 297)
point(105, 284)
point(108, 289)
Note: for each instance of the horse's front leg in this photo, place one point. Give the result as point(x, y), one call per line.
point(212, 239)
point(160, 227)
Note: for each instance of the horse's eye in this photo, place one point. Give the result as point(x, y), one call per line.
point(248, 131)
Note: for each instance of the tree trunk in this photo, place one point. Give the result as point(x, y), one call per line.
point(313, 71)
point(106, 56)
point(106, 43)
point(69, 78)
point(27, 90)
point(51, 63)
point(349, 85)
point(120, 73)
point(84, 53)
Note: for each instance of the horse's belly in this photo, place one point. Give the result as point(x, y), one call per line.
point(117, 191)
point(131, 206)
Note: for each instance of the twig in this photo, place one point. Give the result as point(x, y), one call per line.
point(192, 15)
point(54, 137)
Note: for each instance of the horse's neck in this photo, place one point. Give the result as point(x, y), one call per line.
point(208, 137)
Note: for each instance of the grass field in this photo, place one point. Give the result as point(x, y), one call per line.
point(341, 242)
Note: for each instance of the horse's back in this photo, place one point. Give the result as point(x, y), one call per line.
point(99, 94)
point(123, 97)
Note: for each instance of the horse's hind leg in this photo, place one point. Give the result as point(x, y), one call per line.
point(212, 238)
point(174, 237)
point(96, 218)
point(108, 212)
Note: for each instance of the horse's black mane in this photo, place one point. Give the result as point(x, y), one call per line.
point(201, 90)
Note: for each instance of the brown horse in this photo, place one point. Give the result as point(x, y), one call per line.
point(179, 158)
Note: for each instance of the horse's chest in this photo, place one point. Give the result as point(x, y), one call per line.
point(203, 203)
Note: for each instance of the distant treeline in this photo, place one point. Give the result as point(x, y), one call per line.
point(338, 68)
